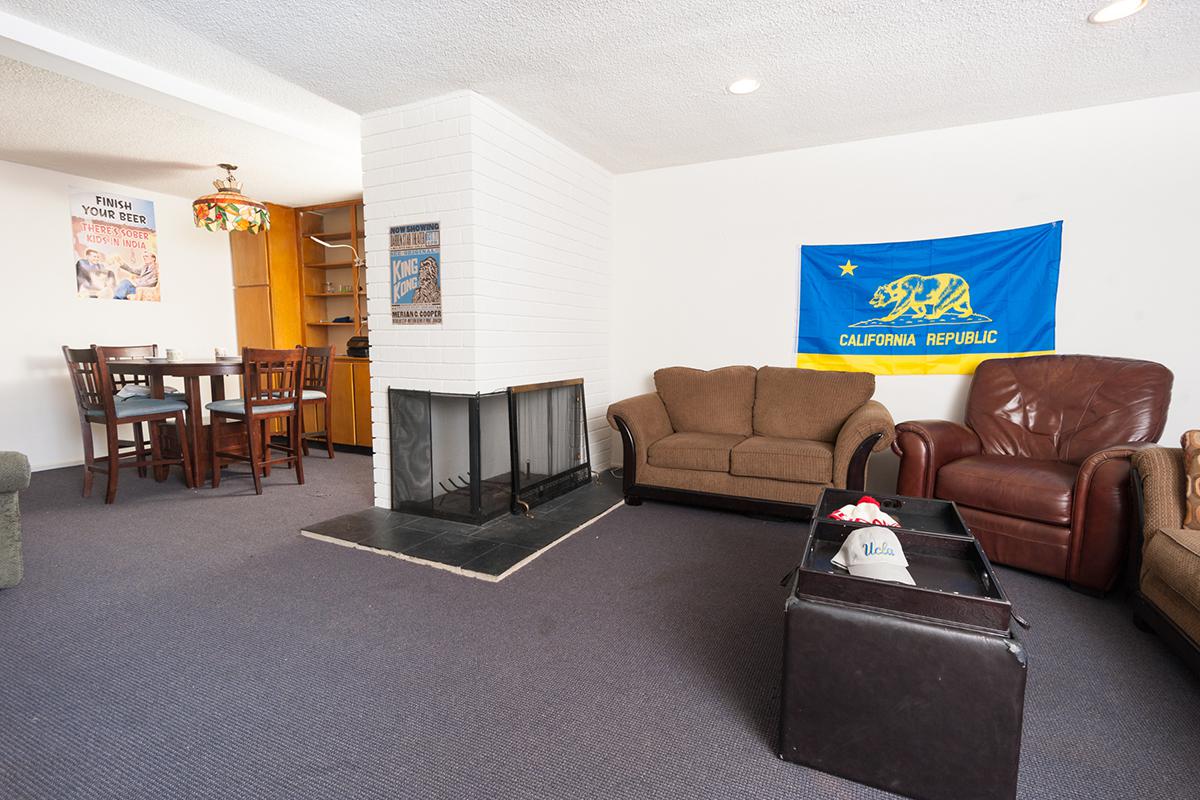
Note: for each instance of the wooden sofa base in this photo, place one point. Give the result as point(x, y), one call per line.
point(1147, 617)
point(801, 512)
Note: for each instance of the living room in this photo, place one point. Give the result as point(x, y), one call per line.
point(604, 360)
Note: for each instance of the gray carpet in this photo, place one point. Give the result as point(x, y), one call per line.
point(193, 645)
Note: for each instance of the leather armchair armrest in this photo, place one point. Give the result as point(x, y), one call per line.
point(924, 447)
point(14, 472)
point(645, 418)
point(870, 423)
point(1102, 516)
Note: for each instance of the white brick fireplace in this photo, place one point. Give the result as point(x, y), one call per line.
point(525, 227)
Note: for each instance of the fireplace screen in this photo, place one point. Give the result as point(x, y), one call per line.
point(549, 441)
point(474, 457)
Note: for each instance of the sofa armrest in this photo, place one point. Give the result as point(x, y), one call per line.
point(924, 447)
point(871, 425)
point(1163, 479)
point(1103, 515)
point(645, 418)
point(14, 472)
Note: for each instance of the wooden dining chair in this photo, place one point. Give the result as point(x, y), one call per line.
point(126, 385)
point(92, 382)
point(317, 385)
point(271, 389)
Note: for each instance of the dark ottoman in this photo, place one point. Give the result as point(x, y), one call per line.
point(916, 690)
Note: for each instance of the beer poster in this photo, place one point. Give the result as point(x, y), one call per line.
point(116, 247)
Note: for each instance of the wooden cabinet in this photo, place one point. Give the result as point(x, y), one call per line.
point(266, 283)
point(362, 402)
point(290, 290)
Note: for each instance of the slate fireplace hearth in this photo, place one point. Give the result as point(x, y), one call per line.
point(474, 457)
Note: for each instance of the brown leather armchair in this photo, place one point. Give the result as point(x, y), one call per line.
point(1040, 470)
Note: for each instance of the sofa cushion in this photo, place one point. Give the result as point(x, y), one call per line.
point(1173, 556)
point(1009, 485)
point(708, 401)
point(800, 460)
point(807, 403)
point(703, 451)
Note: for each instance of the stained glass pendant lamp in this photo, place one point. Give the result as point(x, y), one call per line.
point(228, 209)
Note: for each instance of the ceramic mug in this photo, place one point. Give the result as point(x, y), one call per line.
point(220, 352)
point(174, 355)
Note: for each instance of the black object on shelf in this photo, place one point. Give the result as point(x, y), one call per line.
point(358, 347)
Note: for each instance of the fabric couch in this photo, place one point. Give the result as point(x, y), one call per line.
point(1040, 469)
point(1165, 557)
point(749, 439)
point(14, 477)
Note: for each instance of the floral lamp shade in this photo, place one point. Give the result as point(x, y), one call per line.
point(228, 209)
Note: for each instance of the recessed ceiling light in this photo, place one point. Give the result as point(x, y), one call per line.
point(1118, 9)
point(743, 86)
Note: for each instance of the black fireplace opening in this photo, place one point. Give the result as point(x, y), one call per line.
point(474, 457)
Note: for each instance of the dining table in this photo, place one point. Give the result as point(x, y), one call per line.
point(191, 370)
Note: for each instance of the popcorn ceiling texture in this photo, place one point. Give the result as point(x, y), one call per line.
point(635, 85)
point(59, 123)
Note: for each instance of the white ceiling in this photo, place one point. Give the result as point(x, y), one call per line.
point(637, 85)
point(56, 122)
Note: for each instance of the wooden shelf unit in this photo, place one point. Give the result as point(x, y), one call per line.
point(337, 223)
point(281, 301)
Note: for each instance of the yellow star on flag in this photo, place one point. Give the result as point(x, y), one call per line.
point(847, 268)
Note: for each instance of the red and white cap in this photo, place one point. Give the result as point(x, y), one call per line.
point(866, 510)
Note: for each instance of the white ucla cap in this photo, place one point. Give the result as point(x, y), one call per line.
point(874, 553)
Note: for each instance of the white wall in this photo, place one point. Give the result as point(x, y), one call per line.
point(39, 311)
point(705, 257)
point(525, 226)
point(541, 229)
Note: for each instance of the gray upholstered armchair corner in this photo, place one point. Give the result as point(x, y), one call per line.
point(14, 477)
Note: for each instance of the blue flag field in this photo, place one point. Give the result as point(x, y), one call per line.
point(929, 307)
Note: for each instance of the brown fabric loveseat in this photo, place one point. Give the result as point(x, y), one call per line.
point(749, 440)
point(1040, 469)
point(1165, 557)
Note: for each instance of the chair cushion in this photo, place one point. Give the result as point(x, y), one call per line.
point(1173, 556)
point(712, 401)
point(703, 451)
point(807, 403)
point(1009, 485)
point(238, 406)
point(801, 460)
point(305, 394)
point(140, 407)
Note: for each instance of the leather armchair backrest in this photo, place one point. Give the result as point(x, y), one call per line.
point(1065, 408)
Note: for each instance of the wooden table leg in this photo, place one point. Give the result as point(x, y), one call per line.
point(195, 421)
point(158, 390)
